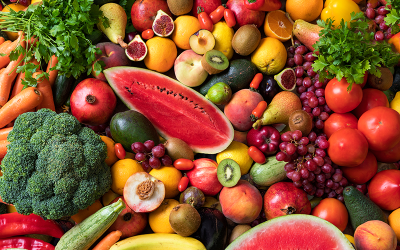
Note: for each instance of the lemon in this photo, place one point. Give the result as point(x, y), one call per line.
point(237, 151)
point(120, 173)
point(159, 218)
point(223, 35)
point(270, 56)
point(170, 176)
point(395, 103)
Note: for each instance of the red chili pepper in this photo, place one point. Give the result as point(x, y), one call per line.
point(12, 224)
point(259, 110)
point(263, 5)
point(119, 151)
point(256, 154)
point(147, 34)
point(183, 183)
point(229, 17)
point(204, 19)
point(25, 243)
point(217, 14)
point(255, 83)
point(183, 164)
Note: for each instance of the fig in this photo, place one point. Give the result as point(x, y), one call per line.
point(136, 49)
point(286, 79)
point(163, 24)
point(192, 196)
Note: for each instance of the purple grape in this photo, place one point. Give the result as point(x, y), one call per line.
point(287, 136)
point(297, 184)
point(327, 190)
point(307, 65)
point(340, 197)
point(321, 101)
point(297, 134)
point(307, 109)
point(323, 116)
point(329, 183)
point(313, 102)
point(299, 81)
point(320, 92)
point(311, 165)
point(311, 177)
point(312, 136)
point(309, 57)
point(290, 149)
point(343, 182)
point(299, 71)
point(323, 144)
point(290, 174)
point(298, 59)
point(304, 141)
point(301, 50)
point(382, 10)
point(149, 144)
point(383, 26)
point(290, 62)
point(388, 34)
point(307, 82)
point(289, 167)
point(154, 162)
point(379, 36)
point(316, 111)
point(108, 132)
point(312, 88)
point(296, 176)
point(370, 13)
point(379, 19)
point(301, 150)
point(280, 156)
point(301, 89)
point(318, 84)
point(328, 175)
point(319, 124)
point(166, 160)
point(158, 151)
point(326, 168)
point(140, 156)
point(291, 49)
point(337, 177)
point(373, 4)
point(320, 178)
point(310, 148)
point(332, 194)
point(282, 145)
point(311, 72)
point(318, 160)
point(339, 190)
point(335, 185)
point(304, 173)
point(319, 192)
point(320, 152)
point(146, 166)
point(303, 96)
point(138, 147)
point(327, 109)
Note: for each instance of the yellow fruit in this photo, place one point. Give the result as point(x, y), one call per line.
point(121, 171)
point(395, 103)
point(270, 56)
point(185, 26)
point(394, 222)
point(159, 218)
point(161, 54)
point(17, 7)
point(108, 197)
point(350, 238)
point(237, 151)
point(223, 35)
point(170, 176)
point(111, 156)
point(307, 10)
point(35, 1)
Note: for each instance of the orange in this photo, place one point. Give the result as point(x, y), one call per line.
point(17, 7)
point(394, 222)
point(121, 171)
point(185, 26)
point(270, 56)
point(159, 218)
point(307, 10)
point(161, 54)
point(111, 156)
point(170, 176)
point(278, 26)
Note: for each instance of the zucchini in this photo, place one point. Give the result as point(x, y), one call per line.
point(61, 89)
point(84, 234)
point(272, 171)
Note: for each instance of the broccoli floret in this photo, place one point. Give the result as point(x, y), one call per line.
point(54, 166)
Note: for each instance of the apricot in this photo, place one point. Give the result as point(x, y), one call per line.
point(374, 235)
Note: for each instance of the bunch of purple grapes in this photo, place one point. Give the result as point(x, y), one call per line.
point(377, 12)
point(23, 2)
point(309, 166)
point(151, 155)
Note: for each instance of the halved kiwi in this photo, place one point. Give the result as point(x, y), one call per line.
point(214, 62)
point(228, 172)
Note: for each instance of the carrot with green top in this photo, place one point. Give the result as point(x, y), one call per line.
point(18, 86)
point(44, 86)
point(6, 50)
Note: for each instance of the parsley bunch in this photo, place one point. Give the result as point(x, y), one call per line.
point(350, 50)
point(392, 19)
point(60, 27)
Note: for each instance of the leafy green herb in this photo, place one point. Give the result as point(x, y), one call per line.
point(61, 27)
point(392, 19)
point(127, 5)
point(350, 50)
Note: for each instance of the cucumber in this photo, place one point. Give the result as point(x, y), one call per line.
point(61, 89)
point(272, 171)
point(360, 208)
point(84, 234)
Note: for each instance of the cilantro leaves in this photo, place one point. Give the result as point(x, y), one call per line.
point(392, 19)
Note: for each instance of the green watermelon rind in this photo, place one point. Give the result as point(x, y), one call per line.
point(240, 242)
point(215, 148)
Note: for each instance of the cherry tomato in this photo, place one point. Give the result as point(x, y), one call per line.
point(381, 127)
point(119, 151)
point(229, 17)
point(388, 156)
point(256, 154)
point(371, 98)
point(183, 164)
point(204, 19)
point(338, 121)
point(364, 172)
point(217, 14)
point(147, 34)
point(183, 183)
point(339, 99)
point(259, 110)
point(255, 83)
point(384, 189)
point(332, 210)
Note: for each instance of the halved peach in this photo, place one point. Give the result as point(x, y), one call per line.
point(202, 41)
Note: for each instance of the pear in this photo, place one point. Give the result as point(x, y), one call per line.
point(117, 19)
point(306, 32)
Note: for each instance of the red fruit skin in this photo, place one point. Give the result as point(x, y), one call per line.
point(244, 15)
point(362, 173)
point(266, 139)
point(371, 98)
point(388, 156)
point(339, 99)
point(143, 13)
point(98, 112)
point(338, 121)
point(284, 198)
point(208, 5)
point(204, 176)
point(384, 189)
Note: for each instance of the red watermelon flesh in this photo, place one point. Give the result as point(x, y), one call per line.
point(176, 111)
point(292, 232)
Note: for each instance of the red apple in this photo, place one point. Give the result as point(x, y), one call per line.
point(245, 16)
point(207, 5)
point(204, 176)
point(384, 189)
point(128, 221)
point(144, 12)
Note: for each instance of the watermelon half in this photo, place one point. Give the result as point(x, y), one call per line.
point(292, 232)
point(176, 111)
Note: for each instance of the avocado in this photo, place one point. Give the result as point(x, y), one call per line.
point(396, 80)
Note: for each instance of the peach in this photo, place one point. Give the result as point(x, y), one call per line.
point(188, 69)
point(239, 109)
point(374, 235)
point(240, 136)
point(241, 203)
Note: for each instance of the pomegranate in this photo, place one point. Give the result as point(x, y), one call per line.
point(144, 12)
point(93, 102)
point(244, 15)
point(284, 198)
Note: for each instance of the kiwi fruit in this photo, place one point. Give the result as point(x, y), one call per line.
point(177, 149)
point(300, 120)
point(238, 230)
point(382, 83)
point(214, 62)
point(246, 39)
point(180, 7)
point(184, 219)
point(228, 172)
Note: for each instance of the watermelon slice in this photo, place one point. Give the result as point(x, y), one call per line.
point(176, 111)
point(295, 231)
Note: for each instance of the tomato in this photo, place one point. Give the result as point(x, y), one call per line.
point(259, 110)
point(119, 151)
point(183, 164)
point(339, 99)
point(256, 154)
point(217, 14)
point(384, 189)
point(362, 173)
point(332, 210)
point(183, 183)
point(371, 98)
point(229, 17)
point(381, 127)
point(205, 20)
point(338, 121)
point(388, 156)
point(347, 147)
point(147, 34)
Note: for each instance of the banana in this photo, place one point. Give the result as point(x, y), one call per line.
point(158, 241)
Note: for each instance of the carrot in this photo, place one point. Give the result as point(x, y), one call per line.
point(24, 101)
point(44, 87)
point(18, 86)
point(2, 40)
point(4, 133)
point(4, 60)
point(109, 240)
point(5, 44)
point(52, 73)
point(3, 148)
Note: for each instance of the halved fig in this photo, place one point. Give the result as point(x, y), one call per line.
point(286, 79)
point(163, 25)
point(143, 192)
point(136, 49)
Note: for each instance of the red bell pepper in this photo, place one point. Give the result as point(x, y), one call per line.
point(263, 5)
point(25, 243)
point(13, 224)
